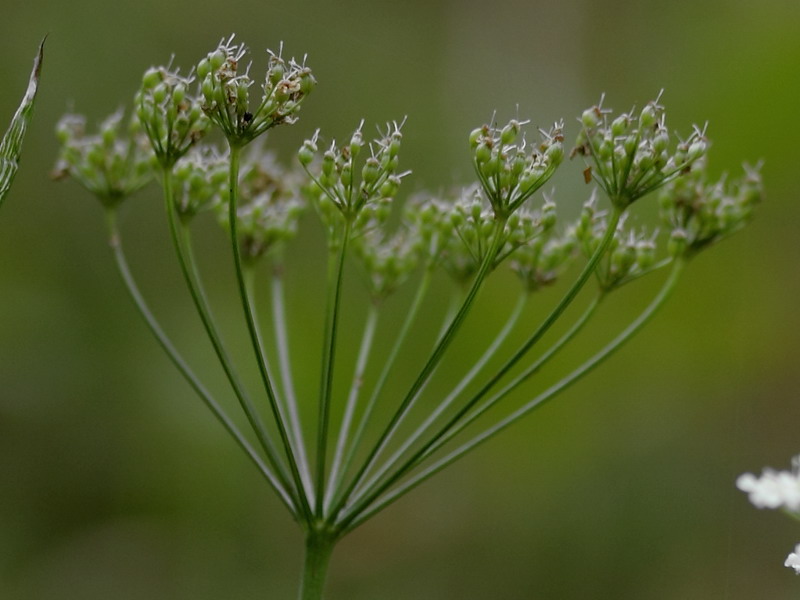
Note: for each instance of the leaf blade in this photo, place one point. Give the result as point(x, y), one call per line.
point(11, 144)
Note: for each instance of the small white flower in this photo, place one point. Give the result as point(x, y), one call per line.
point(774, 489)
point(793, 560)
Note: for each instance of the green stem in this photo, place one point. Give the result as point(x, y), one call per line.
point(335, 279)
point(181, 241)
point(252, 329)
point(516, 382)
point(295, 441)
point(411, 315)
point(319, 548)
point(536, 402)
point(453, 395)
point(284, 361)
point(166, 344)
point(438, 352)
point(591, 265)
point(352, 400)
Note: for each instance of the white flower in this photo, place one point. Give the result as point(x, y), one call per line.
point(774, 489)
point(793, 560)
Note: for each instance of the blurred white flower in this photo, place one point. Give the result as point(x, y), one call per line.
point(793, 560)
point(774, 489)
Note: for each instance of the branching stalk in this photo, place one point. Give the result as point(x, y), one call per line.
point(591, 265)
point(352, 400)
point(115, 242)
point(336, 276)
point(198, 297)
point(252, 329)
point(285, 366)
point(453, 395)
point(433, 360)
point(536, 402)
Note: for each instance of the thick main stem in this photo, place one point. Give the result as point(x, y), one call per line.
point(319, 547)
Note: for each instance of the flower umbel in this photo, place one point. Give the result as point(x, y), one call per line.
point(508, 169)
point(388, 431)
point(631, 154)
point(226, 92)
point(337, 179)
point(170, 115)
point(774, 489)
point(109, 164)
point(703, 212)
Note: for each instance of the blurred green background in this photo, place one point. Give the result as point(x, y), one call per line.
point(116, 483)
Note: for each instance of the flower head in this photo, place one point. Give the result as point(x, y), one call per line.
point(702, 212)
point(774, 489)
point(200, 179)
point(631, 154)
point(109, 164)
point(510, 170)
point(170, 115)
point(226, 92)
point(269, 206)
point(337, 174)
point(457, 229)
point(793, 560)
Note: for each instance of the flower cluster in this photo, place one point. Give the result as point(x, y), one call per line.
point(109, 164)
point(508, 171)
point(631, 253)
point(226, 92)
point(457, 230)
point(701, 212)
point(269, 204)
point(540, 262)
point(793, 560)
point(774, 489)
point(631, 154)
point(336, 176)
point(200, 178)
point(387, 259)
point(170, 115)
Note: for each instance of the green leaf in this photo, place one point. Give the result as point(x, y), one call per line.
point(11, 146)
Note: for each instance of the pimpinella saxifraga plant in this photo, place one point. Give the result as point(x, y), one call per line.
point(11, 144)
point(372, 441)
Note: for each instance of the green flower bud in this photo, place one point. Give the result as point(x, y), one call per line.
point(390, 186)
point(151, 78)
point(509, 133)
point(647, 118)
point(474, 136)
point(216, 59)
point(590, 117)
point(483, 153)
point(677, 242)
point(160, 93)
point(619, 126)
point(555, 153)
point(371, 171)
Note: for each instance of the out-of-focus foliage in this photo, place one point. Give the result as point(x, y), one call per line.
point(116, 483)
